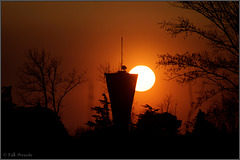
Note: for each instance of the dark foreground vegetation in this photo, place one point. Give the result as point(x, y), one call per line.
point(41, 134)
point(37, 132)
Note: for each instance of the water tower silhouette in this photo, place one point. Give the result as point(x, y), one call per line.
point(121, 89)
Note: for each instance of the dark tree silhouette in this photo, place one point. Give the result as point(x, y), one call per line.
point(220, 69)
point(35, 130)
point(102, 119)
point(42, 81)
point(202, 126)
point(102, 70)
point(225, 115)
point(168, 105)
point(188, 127)
point(158, 123)
point(6, 98)
point(223, 33)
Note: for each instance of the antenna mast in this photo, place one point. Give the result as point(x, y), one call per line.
point(121, 53)
point(123, 67)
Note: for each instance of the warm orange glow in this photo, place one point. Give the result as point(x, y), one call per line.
point(146, 78)
point(73, 36)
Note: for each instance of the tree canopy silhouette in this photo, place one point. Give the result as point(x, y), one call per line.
point(37, 130)
point(202, 126)
point(225, 115)
point(151, 121)
point(219, 70)
point(102, 119)
point(6, 98)
point(42, 81)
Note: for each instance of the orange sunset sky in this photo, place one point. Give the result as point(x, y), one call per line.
point(86, 35)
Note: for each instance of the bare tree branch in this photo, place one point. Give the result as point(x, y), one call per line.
point(42, 80)
point(225, 34)
point(219, 70)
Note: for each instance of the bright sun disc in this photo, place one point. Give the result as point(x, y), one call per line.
point(146, 77)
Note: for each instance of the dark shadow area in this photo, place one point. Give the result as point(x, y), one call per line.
point(34, 130)
point(156, 135)
point(37, 132)
point(110, 144)
point(31, 132)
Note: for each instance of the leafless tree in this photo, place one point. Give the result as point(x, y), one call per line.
point(103, 69)
point(223, 32)
point(219, 70)
point(168, 105)
point(42, 81)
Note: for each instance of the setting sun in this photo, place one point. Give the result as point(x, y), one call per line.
point(146, 78)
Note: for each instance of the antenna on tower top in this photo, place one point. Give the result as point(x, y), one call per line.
point(121, 53)
point(123, 67)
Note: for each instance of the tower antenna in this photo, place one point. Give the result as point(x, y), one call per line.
point(123, 67)
point(121, 53)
